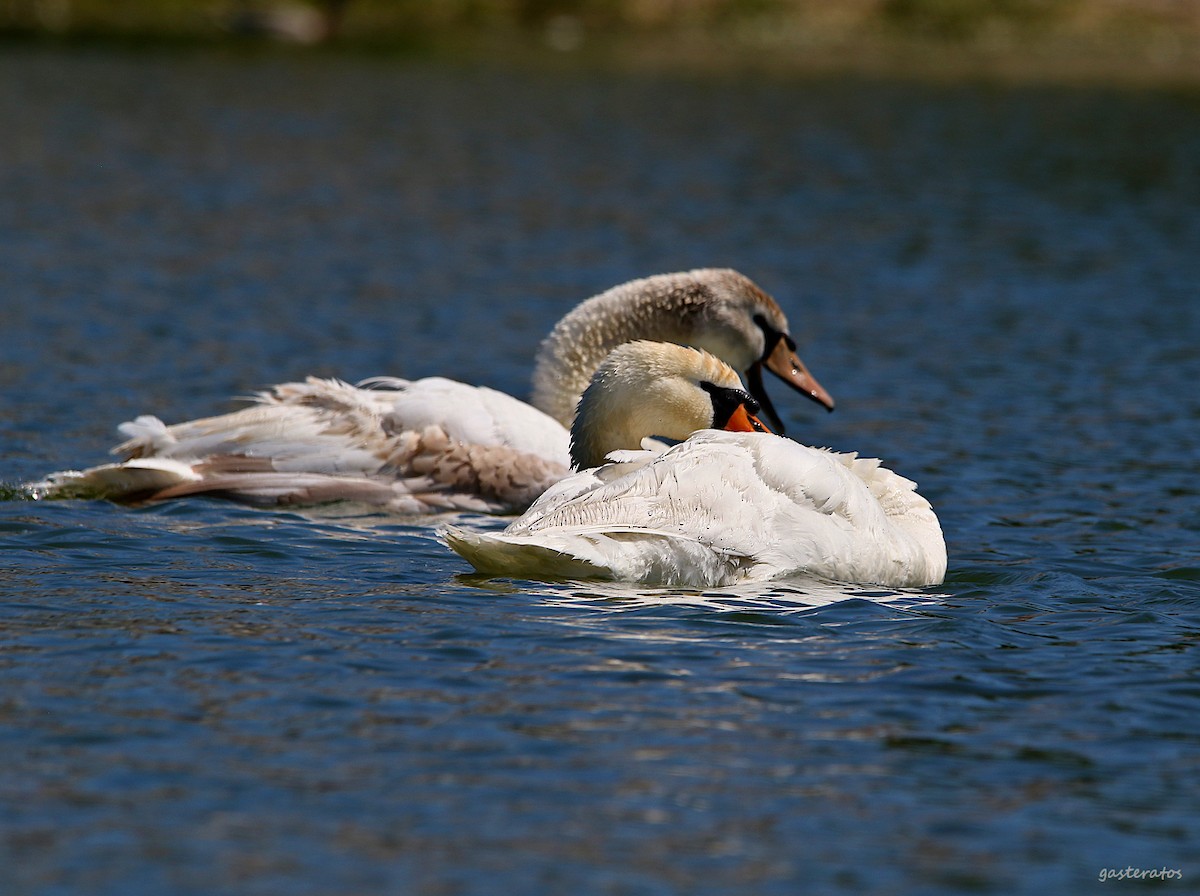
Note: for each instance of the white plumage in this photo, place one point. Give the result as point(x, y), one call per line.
point(717, 509)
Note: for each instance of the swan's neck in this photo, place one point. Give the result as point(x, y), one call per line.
point(604, 428)
point(581, 340)
point(685, 309)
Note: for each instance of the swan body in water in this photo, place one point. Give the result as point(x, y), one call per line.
point(434, 444)
point(728, 503)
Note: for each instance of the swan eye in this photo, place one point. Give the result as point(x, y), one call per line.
point(772, 337)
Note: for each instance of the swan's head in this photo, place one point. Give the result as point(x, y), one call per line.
point(742, 325)
point(718, 310)
point(657, 389)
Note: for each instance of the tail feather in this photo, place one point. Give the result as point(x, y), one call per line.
point(134, 480)
point(495, 556)
point(250, 481)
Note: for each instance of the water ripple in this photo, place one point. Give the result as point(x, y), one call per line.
point(998, 284)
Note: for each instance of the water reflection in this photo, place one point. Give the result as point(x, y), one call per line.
point(775, 598)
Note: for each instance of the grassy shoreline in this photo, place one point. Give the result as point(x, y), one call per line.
point(1114, 42)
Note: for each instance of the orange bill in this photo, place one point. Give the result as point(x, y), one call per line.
point(742, 420)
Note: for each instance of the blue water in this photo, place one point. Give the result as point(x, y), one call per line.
point(999, 286)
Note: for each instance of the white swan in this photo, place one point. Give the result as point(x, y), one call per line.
point(433, 444)
point(716, 509)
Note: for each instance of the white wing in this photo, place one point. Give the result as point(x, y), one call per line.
point(722, 508)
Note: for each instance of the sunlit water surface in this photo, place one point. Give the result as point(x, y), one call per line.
point(998, 285)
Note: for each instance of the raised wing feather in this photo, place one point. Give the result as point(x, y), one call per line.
point(324, 440)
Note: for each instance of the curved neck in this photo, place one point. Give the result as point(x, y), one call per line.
point(569, 356)
point(601, 428)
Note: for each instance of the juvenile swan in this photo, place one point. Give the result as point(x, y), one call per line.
point(718, 508)
point(433, 444)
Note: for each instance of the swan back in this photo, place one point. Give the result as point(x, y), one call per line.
point(718, 310)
